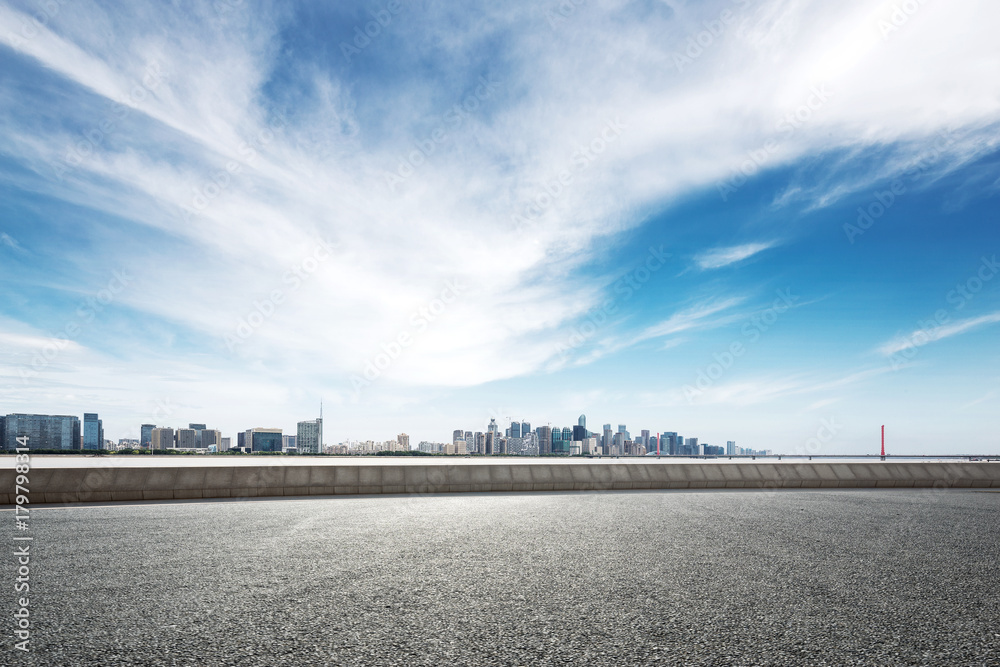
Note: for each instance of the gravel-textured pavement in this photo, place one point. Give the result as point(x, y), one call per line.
point(625, 578)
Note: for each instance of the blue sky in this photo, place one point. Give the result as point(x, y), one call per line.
point(769, 222)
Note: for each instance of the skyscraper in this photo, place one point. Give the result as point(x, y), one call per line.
point(582, 421)
point(403, 441)
point(309, 436)
point(557, 441)
point(93, 431)
point(515, 429)
point(730, 448)
point(146, 435)
point(606, 440)
point(544, 439)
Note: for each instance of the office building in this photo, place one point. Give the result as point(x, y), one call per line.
point(515, 430)
point(606, 439)
point(226, 444)
point(404, 442)
point(579, 433)
point(309, 436)
point(644, 438)
point(146, 435)
point(544, 434)
point(265, 439)
point(186, 438)
point(42, 431)
point(162, 438)
point(730, 448)
point(525, 428)
point(582, 421)
point(457, 434)
point(93, 431)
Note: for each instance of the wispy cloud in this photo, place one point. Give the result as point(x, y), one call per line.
point(921, 337)
point(719, 257)
point(9, 241)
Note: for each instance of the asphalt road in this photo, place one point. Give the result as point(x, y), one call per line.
point(624, 578)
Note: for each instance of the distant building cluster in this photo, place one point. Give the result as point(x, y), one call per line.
point(520, 439)
point(62, 432)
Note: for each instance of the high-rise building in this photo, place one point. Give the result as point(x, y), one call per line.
point(309, 436)
point(404, 442)
point(289, 442)
point(480, 442)
point(469, 442)
point(42, 431)
point(606, 439)
point(265, 439)
point(668, 443)
point(582, 421)
point(146, 435)
point(567, 436)
point(691, 447)
point(162, 438)
point(493, 427)
point(544, 434)
point(579, 433)
point(186, 438)
point(491, 440)
point(618, 444)
point(557, 441)
point(644, 438)
point(92, 431)
point(730, 448)
point(227, 444)
point(515, 430)
point(457, 434)
point(198, 428)
point(525, 429)
point(210, 438)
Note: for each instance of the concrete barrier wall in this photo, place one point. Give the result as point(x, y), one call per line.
point(99, 484)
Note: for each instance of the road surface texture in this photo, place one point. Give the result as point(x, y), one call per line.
point(617, 578)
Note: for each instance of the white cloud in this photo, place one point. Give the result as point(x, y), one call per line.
point(921, 337)
point(719, 257)
point(322, 174)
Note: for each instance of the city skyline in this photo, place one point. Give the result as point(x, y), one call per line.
point(745, 220)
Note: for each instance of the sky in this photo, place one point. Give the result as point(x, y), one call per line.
point(774, 222)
